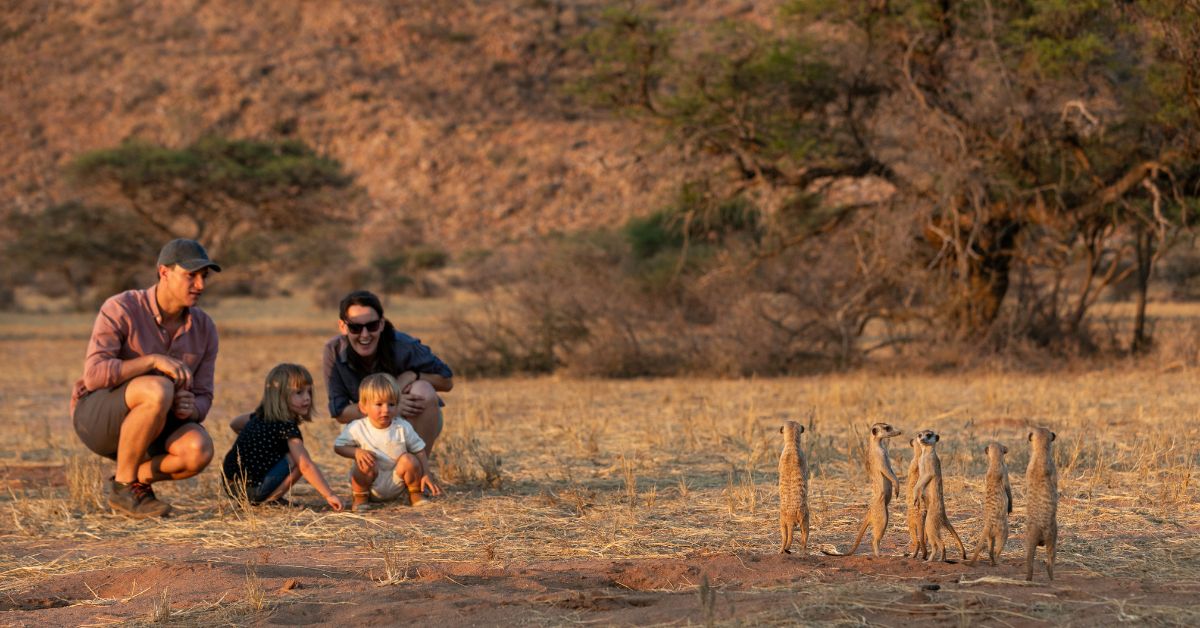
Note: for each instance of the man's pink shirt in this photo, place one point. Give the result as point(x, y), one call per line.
point(129, 326)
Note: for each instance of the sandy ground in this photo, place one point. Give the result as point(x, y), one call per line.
point(69, 582)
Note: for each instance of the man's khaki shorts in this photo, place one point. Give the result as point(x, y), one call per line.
point(98, 418)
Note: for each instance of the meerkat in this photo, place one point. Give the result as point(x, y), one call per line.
point(915, 518)
point(1041, 500)
point(884, 486)
point(793, 488)
point(929, 488)
point(997, 504)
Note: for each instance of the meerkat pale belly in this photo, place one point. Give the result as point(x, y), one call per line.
point(997, 504)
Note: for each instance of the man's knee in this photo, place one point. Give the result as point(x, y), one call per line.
point(195, 448)
point(153, 391)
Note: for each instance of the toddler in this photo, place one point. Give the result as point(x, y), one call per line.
point(389, 456)
point(269, 455)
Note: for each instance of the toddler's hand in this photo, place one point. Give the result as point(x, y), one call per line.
point(335, 502)
point(364, 459)
point(428, 483)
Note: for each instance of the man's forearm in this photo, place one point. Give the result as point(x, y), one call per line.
point(345, 451)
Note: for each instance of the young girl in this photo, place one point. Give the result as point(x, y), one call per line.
point(269, 454)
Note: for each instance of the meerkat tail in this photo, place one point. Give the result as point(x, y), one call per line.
point(956, 537)
point(978, 548)
point(861, 531)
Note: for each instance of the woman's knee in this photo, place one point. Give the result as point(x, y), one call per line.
point(150, 390)
point(423, 389)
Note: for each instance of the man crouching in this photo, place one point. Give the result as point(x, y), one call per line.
point(148, 382)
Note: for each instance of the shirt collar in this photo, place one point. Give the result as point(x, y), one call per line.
point(152, 299)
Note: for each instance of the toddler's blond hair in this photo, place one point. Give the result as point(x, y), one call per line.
point(379, 387)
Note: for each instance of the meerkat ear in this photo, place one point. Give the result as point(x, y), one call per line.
point(1053, 436)
point(1003, 449)
point(1031, 437)
point(799, 429)
point(937, 437)
point(780, 429)
point(874, 430)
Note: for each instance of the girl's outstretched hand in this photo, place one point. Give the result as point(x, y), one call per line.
point(335, 502)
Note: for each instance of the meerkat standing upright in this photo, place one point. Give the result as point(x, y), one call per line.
point(997, 504)
point(793, 488)
point(1041, 500)
point(915, 516)
point(929, 487)
point(883, 486)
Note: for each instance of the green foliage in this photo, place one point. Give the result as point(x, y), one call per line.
point(1042, 135)
point(244, 171)
point(628, 50)
point(256, 206)
point(82, 252)
point(222, 187)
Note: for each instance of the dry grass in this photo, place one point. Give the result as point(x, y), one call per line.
point(646, 469)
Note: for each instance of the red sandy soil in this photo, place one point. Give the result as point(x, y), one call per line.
point(307, 586)
point(341, 584)
point(305, 589)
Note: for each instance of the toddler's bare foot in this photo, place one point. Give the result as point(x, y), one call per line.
point(362, 502)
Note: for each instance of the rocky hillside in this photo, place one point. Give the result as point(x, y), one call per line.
point(452, 115)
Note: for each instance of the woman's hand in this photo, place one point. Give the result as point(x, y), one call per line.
point(335, 502)
point(364, 459)
point(412, 406)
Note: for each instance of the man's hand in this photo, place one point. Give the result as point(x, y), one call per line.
point(335, 503)
point(411, 406)
point(175, 369)
point(184, 405)
point(364, 459)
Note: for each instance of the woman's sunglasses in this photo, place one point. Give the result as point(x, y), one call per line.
point(356, 328)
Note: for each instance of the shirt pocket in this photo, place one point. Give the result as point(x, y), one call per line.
point(192, 360)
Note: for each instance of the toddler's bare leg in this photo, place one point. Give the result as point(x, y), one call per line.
point(360, 485)
point(408, 468)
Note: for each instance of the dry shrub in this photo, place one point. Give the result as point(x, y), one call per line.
point(592, 308)
point(463, 461)
point(84, 483)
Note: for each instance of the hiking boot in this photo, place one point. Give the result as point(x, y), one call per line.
point(136, 500)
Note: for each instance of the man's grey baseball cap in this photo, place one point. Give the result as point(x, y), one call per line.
point(188, 254)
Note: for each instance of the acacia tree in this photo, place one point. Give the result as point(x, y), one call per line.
point(1055, 138)
point(218, 189)
point(256, 204)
